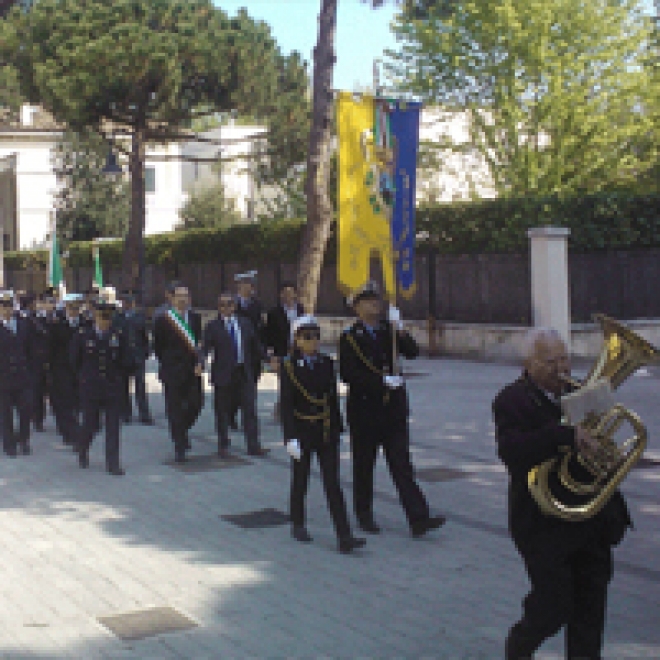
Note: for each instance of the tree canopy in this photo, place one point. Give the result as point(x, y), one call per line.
point(145, 69)
point(556, 91)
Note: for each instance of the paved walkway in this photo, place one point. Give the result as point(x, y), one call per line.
point(77, 546)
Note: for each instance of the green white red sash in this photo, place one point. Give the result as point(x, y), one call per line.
point(183, 329)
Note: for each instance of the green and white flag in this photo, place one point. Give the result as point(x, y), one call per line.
point(55, 275)
point(98, 271)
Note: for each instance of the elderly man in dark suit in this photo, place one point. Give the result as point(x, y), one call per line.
point(177, 345)
point(16, 393)
point(569, 563)
point(237, 356)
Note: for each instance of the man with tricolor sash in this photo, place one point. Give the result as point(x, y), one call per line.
point(177, 337)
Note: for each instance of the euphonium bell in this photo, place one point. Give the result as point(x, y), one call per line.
point(576, 486)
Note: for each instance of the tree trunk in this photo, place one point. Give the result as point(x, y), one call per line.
point(319, 207)
point(133, 265)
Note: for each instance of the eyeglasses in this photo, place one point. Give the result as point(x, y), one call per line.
point(309, 335)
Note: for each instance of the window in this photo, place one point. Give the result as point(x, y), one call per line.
point(150, 179)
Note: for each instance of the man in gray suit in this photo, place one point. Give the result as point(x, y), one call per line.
point(237, 357)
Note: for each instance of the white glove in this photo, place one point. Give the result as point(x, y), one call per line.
point(394, 317)
point(393, 381)
point(293, 447)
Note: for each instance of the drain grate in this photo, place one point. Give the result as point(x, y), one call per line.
point(258, 519)
point(207, 463)
point(438, 474)
point(141, 624)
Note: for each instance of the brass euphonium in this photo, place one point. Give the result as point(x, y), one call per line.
point(576, 486)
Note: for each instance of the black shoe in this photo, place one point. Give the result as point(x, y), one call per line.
point(224, 454)
point(12, 453)
point(233, 425)
point(180, 456)
point(260, 452)
point(128, 419)
point(368, 525)
point(39, 428)
point(347, 544)
point(83, 459)
point(420, 527)
point(147, 421)
point(25, 448)
point(301, 534)
point(116, 471)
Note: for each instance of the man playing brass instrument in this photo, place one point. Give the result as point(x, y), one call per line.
point(569, 563)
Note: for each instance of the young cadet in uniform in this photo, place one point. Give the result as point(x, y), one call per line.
point(311, 423)
point(377, 410)
point(15, 385)
point(98, 355)
point(41, 320)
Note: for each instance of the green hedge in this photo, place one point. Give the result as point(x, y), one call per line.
point(604, 221)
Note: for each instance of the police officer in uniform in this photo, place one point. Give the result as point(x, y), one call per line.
point(377, 410)
point(311, 423)
point(65, 380)
point(16, 343)
point(98, 355)
point(133, 324)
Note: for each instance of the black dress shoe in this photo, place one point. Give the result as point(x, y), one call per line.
point(301, 534)
point(420, 527)
point(233, 424)
point(116, 471)
point(25, 448)
point(83, 459)
point(147, 421)
point(128, 419)
point(349, 543)
point(39, 428)
point(180, 456)
point(12, 453)
point(260, 452)
point(223, 452)
point(369, 525)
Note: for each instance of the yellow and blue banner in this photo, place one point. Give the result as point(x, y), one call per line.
point(378, 141)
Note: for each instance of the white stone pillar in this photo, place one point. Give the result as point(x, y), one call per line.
point(549, 270)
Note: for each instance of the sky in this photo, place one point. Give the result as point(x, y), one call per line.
point(362, 33)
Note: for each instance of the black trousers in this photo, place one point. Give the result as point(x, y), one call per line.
point(367, 435)
point(21, 400)
point(66, 407)
point(328, 457)
point(40, 390)
point(243, 390)
point(138, 375)
point(569, 582)
point(92, 407)
point(183, 403)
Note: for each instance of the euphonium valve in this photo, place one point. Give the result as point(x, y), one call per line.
point(577, 485)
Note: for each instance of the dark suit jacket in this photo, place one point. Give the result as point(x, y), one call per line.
point(277, 332)
point(253, 311)
point(177, 361)
point(16, 354)
point(528, 431)
point(317, 380)
point(368, 397)
point(218, 341)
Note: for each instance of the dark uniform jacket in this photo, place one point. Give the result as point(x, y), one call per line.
point(277, 332)
point(363, 370)
point(528, 431)
point(309, 401)
point(16, 354)
point(219, 343)
point(100, 362)
point(177, 361)
point(133, 326)
point(251, 309)
point(62, 335)
point(42, 352)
